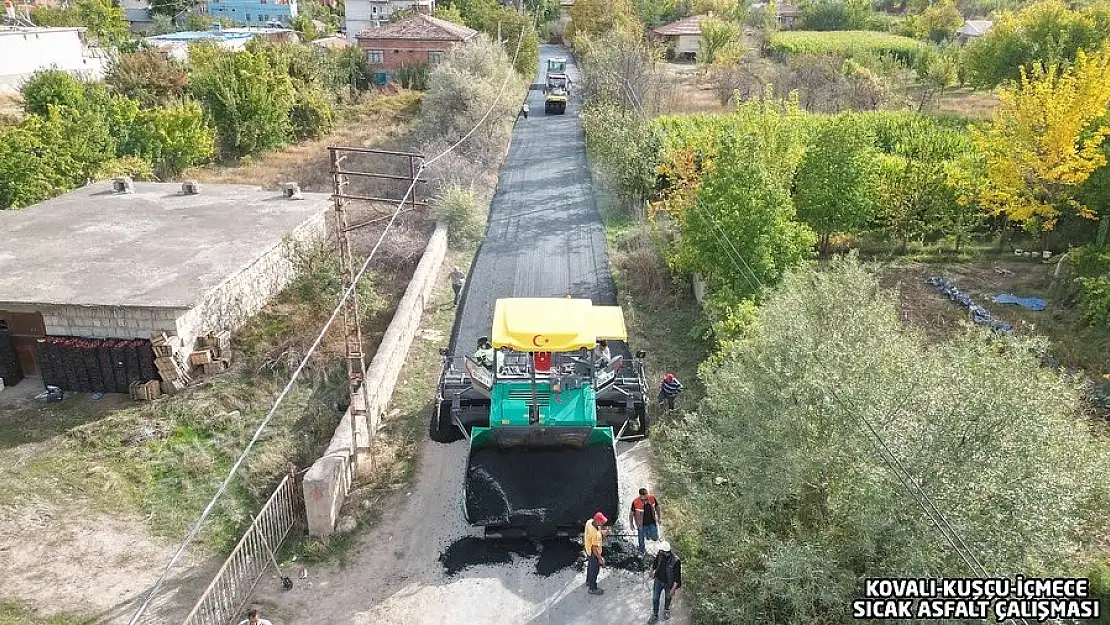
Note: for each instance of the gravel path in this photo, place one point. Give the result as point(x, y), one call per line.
point(545, 239)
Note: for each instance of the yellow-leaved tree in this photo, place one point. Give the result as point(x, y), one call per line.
point(1044, 140)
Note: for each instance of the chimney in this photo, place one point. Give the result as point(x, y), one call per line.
point(190, 187)
point(123, 184)
point(293, 191)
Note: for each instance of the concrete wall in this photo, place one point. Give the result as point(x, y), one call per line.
point(25, 51)
point(328, 481)
point(240, 297)
point(687, 44)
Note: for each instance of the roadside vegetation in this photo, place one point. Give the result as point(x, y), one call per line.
point(809, 211)
point(153, 117)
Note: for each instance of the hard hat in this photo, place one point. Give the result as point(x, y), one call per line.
point(664, 546)
point(600, 519)
point(668, 377)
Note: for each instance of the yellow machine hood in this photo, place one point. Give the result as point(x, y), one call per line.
point(552, 324)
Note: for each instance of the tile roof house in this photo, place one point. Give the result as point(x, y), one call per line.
point(416, 40)
point(972, 29)
point(684, 35)
point(787, 13)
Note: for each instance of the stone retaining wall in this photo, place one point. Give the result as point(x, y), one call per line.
point(328, 481)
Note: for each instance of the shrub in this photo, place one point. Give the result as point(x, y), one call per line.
point(312, 114)
point(460, 208)
point(248, 99)
point(148, 76)
point(51, 87)
point(413, 77)
point(174, 138)
point(1094, 301)
point(845, 44)
point(782, 500)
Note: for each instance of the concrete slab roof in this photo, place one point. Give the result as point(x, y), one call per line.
point(153, 248)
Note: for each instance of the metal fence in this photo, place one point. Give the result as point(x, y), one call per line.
point(223, 600)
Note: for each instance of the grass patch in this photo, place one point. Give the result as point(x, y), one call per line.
point(15, 613)
point(404, 428)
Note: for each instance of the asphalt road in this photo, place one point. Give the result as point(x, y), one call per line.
point(545, 238)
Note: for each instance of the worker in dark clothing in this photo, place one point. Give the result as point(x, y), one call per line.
point(669, 390)
point(666, 573)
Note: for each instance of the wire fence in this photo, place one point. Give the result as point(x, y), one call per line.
point(223, 600)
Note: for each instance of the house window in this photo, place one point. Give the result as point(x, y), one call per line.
point(248, 17)
point(435, 57)
point(375, 56)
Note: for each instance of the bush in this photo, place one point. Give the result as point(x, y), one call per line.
point(51, 87)
point(413, 77)
point(248, 99)
point(312, 114)
point(148, 76)
point(460, 208)
point(174, 138)
point(829, 15)
point(845, 44)
point(461, 90)
point(1094, 301)
point(781, 499)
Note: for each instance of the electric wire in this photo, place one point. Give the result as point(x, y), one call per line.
point(198, 524)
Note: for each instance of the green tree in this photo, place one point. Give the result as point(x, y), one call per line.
point(148, 76)
point(937, 69)
point(778, 453)
point(1047, 32)
point(836, 188)
point(913, 195)
point(51, 87)
point(937, 23)
point(593, 17)
point(105, 20)
point(741, 233)
point(716, 35)
point(511, 26)
point(249, 102)
point(174, 138)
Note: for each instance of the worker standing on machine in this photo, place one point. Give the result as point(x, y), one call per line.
point(602, 356)
point(484, 354)
point(592, 536)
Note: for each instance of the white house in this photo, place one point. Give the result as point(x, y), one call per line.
point(24, 51)
point(973, 29)
point(363, 14)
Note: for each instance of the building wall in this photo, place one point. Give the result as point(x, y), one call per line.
point(397, 54)
point(253, 11)
point(240, 297)
point(687, 44)
point(102, 322)
point(363, 14)
point(23, 52)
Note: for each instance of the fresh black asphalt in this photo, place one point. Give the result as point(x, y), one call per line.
point(545, 237)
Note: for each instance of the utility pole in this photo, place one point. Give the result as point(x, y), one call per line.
point(358, 391)
point(352, 326)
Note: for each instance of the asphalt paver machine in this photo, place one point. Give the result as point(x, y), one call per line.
point(542, 421)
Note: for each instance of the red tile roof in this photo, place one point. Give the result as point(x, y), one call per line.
point(686, 26)
point(420, 27)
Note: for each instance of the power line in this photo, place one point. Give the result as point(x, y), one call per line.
point(315, 345)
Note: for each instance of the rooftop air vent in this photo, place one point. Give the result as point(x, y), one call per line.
point(293, 191)
point(190, 187)
point(123, 184)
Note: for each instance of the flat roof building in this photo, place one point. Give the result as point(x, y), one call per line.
point(99, 264)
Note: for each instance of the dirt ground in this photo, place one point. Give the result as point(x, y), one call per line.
point(924, 308)
point(67, 545)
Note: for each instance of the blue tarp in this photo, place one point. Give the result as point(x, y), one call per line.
point(1032, 303)
point(979, 315)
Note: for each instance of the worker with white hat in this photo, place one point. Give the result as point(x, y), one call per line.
point(666, 574)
